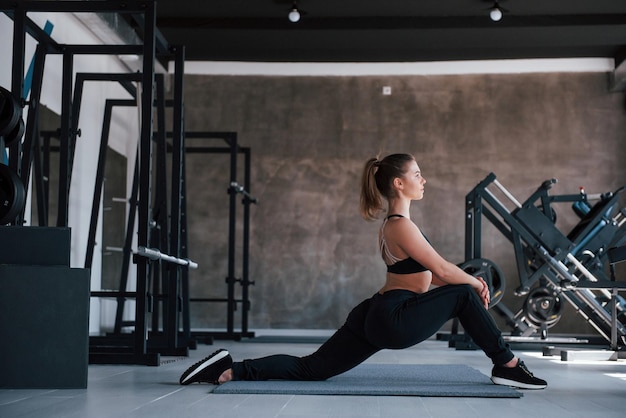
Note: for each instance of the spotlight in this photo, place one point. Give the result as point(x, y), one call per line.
point(495, 13)
point(294, 13)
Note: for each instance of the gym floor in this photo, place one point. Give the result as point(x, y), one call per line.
point(579, 388)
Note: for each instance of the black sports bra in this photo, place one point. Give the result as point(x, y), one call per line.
point(405, 266)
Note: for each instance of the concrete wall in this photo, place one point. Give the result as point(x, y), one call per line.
point(312, 256)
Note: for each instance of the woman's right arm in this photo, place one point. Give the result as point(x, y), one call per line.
point(478, 283)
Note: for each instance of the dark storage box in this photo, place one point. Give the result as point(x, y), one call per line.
point(44, 323)
point(44, 310)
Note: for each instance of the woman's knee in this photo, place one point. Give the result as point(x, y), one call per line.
point(467, 288)
point(462, 289)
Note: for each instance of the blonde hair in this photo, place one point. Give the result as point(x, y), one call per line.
point(376, 183)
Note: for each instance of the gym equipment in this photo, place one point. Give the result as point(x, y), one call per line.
point(12, 195)
point(543, 308)
point(15, 134)
point(564, 267)
point(164, 278)
point(151, 44)
point(154, 254)
point(11, 122)
point(231, 300)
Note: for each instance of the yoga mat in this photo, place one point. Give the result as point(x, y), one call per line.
point(385, 380)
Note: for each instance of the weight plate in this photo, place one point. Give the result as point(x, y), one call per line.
point(491, 273)
point(10, 111)
point(16, 134)
point(12, 195)
point(543, 307)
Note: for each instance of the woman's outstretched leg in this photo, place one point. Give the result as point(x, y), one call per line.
point(345, 349)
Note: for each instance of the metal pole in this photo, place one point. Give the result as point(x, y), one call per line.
point(66, 123)
point(231, 237)
point(145, 179)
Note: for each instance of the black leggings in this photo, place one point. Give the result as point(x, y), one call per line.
point(395, 320)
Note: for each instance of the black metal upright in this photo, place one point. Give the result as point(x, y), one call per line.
point(177, 230)
point(160, 227)
point(245, 274)
point(65, 138)
point(231, 279)
point(145, 181)
point(17, 82)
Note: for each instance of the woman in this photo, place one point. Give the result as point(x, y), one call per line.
point(422, 291)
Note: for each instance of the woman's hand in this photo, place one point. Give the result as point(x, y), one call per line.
point(483, 292)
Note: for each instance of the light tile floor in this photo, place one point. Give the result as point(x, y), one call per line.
point(576, 389)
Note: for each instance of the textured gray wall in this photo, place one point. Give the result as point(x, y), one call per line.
point(312, 256)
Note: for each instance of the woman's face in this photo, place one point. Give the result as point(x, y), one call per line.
point(413, 182)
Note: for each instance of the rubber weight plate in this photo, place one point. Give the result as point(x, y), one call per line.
point(12, 195)
point(543, 307)
point(10, 112)
point(16, 134)
point(491, 273)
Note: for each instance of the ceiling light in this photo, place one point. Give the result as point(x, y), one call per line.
point(495, 13)
point(294, 13)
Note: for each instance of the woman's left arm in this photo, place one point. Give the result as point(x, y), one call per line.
point(444, 272)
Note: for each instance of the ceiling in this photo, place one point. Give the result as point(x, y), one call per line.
point(393, 30)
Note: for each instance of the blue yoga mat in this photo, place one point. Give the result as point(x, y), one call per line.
point(385, 380)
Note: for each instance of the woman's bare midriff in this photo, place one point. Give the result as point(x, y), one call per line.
point(416, 282)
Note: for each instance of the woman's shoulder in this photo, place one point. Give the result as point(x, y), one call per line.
point(401, 224)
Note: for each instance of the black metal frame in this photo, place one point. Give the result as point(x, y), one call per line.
point(231, 300)
point(143, 14)
point(165, 277)
point(143, 346)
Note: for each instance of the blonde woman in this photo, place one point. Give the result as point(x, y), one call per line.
point(422, 291)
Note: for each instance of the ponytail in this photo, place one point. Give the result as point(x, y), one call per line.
point(371, 204)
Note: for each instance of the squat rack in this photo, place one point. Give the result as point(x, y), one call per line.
point(143, 16)
point(232, 148)
point(165, 272)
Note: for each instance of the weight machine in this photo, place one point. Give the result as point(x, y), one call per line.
point(552, 266)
